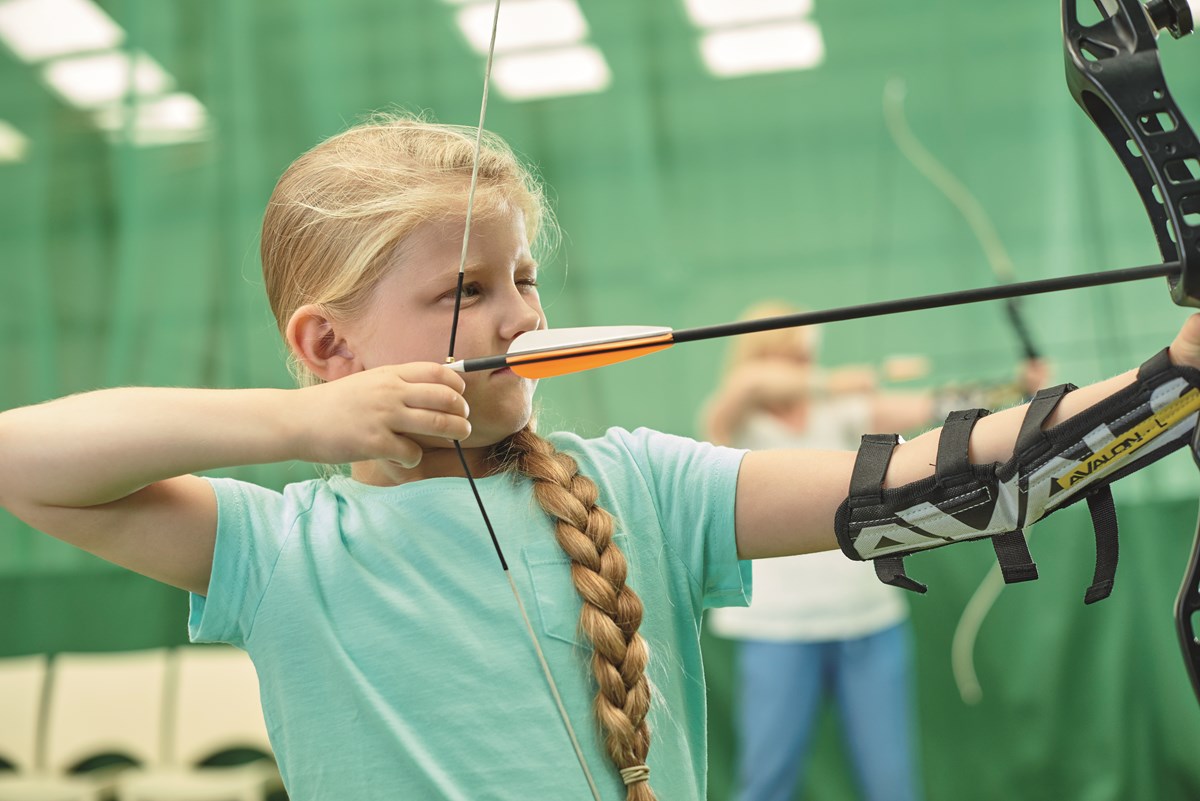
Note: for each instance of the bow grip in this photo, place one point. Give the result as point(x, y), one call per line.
point(1187, 603)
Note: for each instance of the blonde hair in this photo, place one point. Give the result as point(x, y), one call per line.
point(332, 226)
point(763, 344)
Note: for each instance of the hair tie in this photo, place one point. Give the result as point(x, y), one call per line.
point(638, 773)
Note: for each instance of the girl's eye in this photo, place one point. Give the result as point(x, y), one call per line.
point(471, 290)
point(529, 282)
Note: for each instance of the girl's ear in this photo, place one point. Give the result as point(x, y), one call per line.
point(316, 340)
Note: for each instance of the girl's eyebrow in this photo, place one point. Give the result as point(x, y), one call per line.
point(484, 268)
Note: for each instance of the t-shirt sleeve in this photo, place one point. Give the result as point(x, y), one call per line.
point(693, 486)
point(251, 528)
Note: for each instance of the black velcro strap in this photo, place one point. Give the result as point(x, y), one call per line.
point(1104, 521)
point(953, 465)
point(890, 570)
point(1158, 363)
point(1012, 552)
point(866, 482)
point(1039, 409)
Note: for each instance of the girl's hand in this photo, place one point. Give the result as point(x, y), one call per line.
point(377, 413)
point(1185, 350)
point(1032, 375)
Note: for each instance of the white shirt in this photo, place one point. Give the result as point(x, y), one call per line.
point(821, 596)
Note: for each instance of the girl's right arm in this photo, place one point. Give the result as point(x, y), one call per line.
point(109, 471)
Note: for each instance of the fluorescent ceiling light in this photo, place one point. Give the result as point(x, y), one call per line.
point(92, 81)
point(723, 13)
point(550, 73)
point(14, 145)
point(523, 24)
point(765, 48)
point(39, 29)
point(176, 118)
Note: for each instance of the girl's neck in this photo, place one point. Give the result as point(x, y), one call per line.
point(436, 463)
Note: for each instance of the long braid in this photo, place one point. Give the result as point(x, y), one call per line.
point(612, 611)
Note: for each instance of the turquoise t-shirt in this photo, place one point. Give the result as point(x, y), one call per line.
point(392, 658)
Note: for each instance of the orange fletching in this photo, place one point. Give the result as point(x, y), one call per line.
point(586, 357)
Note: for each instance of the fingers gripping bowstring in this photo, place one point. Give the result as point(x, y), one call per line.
point(462, 266)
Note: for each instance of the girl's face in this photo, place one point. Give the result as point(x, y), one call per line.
point(410, 315)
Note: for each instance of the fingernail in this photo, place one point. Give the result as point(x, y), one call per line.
point(466, 409)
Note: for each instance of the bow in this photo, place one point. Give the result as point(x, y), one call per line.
point(1114, 73)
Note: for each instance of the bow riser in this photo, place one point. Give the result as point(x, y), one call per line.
point(1114, 73)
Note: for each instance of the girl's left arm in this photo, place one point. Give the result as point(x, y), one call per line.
point(786, 500)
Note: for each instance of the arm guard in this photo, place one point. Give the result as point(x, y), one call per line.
point(1075, 460)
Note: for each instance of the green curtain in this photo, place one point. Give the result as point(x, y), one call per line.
point(683, 198)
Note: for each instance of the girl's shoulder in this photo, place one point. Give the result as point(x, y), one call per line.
point(622, 443)
point(644, 449)
point(248, 496)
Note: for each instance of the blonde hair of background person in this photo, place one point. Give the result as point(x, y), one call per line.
point(361, 247)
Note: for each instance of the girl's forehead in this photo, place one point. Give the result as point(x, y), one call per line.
point(497, 241)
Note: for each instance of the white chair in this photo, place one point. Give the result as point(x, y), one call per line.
point(98, 704)
point(215, 708)
point(22, 680)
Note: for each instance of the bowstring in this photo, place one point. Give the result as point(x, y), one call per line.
point(462, 458)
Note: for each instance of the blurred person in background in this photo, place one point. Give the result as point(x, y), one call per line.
point(821, 626)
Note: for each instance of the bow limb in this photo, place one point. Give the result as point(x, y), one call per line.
point(1114, 73)
point(961, 198)
point(462, 264)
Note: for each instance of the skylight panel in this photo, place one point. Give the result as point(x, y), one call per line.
point(36, 30)
point(763, 48)
point(550, 73)
point(523, 24)
point(724, 13)
point(14, 145)
point(96, 80)
point(167, 120)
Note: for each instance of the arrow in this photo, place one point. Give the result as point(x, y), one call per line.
point(559, 351)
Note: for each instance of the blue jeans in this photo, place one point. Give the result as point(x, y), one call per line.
point(781, 687)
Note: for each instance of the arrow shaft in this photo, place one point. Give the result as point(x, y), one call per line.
point(959, 298)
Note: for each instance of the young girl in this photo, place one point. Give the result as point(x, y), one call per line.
point(391, 654)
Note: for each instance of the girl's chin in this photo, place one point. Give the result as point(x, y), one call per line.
point(493, 432)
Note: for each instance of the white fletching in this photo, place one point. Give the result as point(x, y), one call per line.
point(555, 338)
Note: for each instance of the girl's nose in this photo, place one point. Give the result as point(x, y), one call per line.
point(524, 315)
